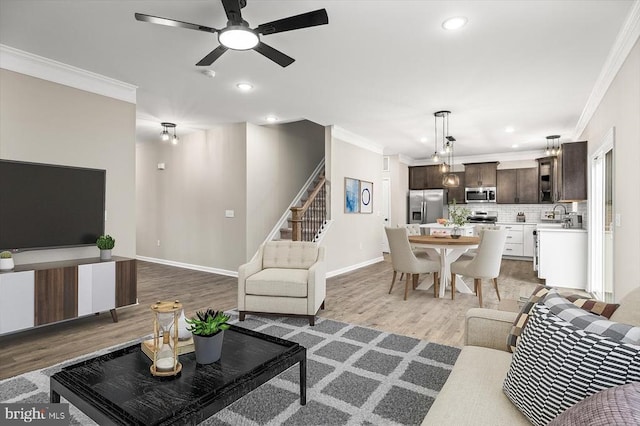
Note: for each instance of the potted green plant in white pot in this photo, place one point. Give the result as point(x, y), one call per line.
point(6, 261)
point(208, 328)
point(105, 243)
point(457, 217)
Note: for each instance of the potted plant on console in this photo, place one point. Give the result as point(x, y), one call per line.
point(208, 328)
point(6, 261)
point(105, 243)
point(458, 217)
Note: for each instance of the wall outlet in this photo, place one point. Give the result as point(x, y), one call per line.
point(158, 243)
point(161, 166)
point(229, 213)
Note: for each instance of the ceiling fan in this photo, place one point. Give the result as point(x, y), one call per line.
point(238, 36)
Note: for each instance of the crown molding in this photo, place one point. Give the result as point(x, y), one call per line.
point(625, 41)
point(487, 158)
point(353, 139)
point(17, 60)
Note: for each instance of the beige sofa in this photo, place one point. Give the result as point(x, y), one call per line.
point(473, 393)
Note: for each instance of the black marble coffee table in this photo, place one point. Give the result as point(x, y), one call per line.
point(117, 388)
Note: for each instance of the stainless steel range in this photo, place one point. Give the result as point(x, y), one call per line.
point(488, 217)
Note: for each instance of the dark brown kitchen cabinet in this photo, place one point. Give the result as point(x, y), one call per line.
point(547, 169)
point(457, 193)
point(572, 172)
point(425, 177)
point(480, 174)
point(417, 177)
point(517, 186)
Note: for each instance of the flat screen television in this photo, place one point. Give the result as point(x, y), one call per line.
point(48, 206)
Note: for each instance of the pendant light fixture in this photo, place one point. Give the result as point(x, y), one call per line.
point(165, 133)
point(553, 150)
point(449, 179)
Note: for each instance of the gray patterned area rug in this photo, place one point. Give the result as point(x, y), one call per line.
point(355, 376)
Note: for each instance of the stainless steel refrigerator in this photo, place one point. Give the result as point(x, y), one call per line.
point(426, 206)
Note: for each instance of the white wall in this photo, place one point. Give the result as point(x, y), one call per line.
point(620, 109)
point(353, 240)
point(47, 122)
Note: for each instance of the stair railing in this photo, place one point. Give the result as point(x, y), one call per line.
point(307, 220)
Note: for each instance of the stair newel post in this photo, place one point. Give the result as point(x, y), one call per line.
point(296, 222)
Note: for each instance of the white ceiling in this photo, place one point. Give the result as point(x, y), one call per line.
point(379, 69)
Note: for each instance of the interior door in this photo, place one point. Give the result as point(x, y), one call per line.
point(386, 212)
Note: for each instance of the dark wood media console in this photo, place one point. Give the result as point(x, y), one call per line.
point(43, 293)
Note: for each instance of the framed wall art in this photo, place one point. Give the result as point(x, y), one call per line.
point(351, 195)
point(366, 197)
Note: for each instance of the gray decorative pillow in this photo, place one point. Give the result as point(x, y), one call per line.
point(615, 406)
point(557, 365)
point(587, 321)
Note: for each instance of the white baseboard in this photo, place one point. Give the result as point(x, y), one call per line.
point(235, 273)
point(354, 267)
point(189, 266)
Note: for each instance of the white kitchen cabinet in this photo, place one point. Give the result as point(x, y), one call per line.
point(562, 257)
point(96, 287)
point(16, 301)
point(527, 240)
point(519, 241)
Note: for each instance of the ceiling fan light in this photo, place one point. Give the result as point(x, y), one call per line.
point(238, 37)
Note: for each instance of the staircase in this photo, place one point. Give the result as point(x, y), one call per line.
point(307, 220)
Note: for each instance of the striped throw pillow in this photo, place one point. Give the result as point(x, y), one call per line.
point(591, 305)
point(557, 365)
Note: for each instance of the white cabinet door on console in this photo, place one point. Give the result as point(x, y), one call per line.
point(16, 301)
point(96, 287)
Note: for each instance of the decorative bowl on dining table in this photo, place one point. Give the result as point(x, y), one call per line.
point(440, 233)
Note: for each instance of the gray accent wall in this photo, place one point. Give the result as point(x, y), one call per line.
point(47, 122)
point(254, 171)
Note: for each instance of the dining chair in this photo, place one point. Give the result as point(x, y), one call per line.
point(405, 261)
point(471, 253)
point(486, 263)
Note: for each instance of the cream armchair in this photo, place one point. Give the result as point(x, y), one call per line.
point(286, 278)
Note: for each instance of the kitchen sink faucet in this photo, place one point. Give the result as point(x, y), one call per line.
point(559, 205)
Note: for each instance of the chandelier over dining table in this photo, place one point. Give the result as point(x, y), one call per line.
point(449, 178)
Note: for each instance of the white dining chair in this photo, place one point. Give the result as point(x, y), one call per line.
point(484, 265)
point(471, 253)
point(405, 261)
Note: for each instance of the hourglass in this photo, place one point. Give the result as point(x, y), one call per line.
point(165, 338)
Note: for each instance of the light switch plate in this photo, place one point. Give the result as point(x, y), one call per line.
point(229, 213)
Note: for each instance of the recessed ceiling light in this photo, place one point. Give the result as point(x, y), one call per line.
point(245, 87)
point(423, 140)
point(515, 145)
point(272, 119)
point(509, 129)
point(454, 23)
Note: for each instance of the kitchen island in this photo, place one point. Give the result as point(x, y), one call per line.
point(562, 256)
point(436, 228)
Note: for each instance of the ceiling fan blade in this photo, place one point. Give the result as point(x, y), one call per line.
point(212, 56)
point(173, 23)
point(232, 9)
point(273, 54)
point(305, 20)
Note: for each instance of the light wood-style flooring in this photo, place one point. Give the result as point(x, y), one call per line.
point(359, 297)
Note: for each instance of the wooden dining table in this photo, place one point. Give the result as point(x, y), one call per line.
point(449, 249)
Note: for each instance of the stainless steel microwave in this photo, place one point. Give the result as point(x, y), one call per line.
point(480, 195)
